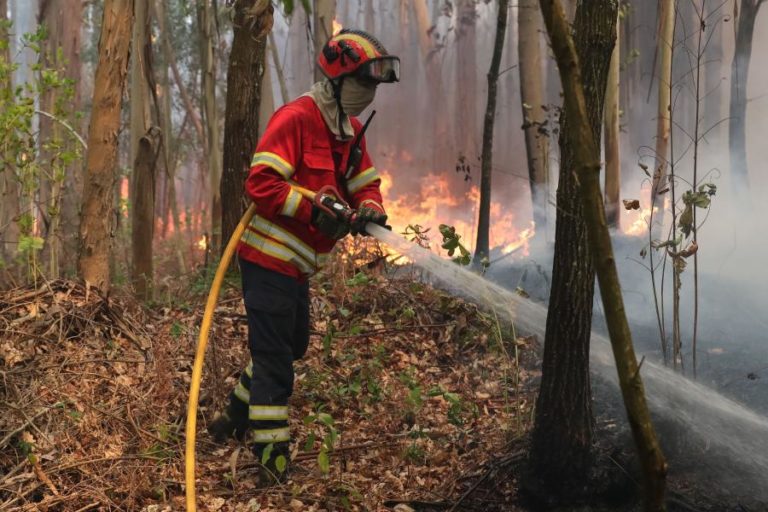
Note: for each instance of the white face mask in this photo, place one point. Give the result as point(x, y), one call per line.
point(355, 97)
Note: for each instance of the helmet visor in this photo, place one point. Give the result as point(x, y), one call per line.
point(384, 69)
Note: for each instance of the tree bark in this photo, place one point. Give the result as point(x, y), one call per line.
point(561, 457)
point(665, 44)
point(612, 139)
point(585, 161)
point(143, 213)
point(207, 20)
point(484, 220)
point(532, 98)
point(737, 136)
point(9, 185)
point(252, 23)
point(466, 73)
point(322, 24)
point(101, 159)
point(62, 194)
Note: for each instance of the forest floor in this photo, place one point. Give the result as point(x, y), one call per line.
point(428, 400)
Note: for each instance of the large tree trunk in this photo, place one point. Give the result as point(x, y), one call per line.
point(532, 98)
point(737, 137)
point(207, 20)
point(241, 120)
point(9, 185)
point(664, 109)
point(101, 160)
point(484, 220)
point(612, 139)
point(62, 193)
point(561, 452)
point(324, 12)
point(586, 164)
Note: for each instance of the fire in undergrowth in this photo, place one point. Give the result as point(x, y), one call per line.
point(432, 203)
point(336, 26)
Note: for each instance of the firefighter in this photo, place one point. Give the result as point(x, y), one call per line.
point(306, 142)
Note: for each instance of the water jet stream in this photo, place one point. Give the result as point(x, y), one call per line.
point(735, 437)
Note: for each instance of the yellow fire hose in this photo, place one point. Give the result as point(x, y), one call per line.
point(202, 343)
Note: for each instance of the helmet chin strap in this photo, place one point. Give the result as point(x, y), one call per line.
point(337, 85)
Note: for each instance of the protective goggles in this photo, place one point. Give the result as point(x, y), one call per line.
point(384, 69)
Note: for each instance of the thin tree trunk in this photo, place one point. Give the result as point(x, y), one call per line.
point(561, 456)
point(532, 97)
point(665, 43)
point(101, 160)
point(586, 164)
point(143, 213)
point(142, 226)
point(61, 192)
point(207, 20)
point(252, 23)
point(324, 12)
point(166, 126)
point(483, 225)
point(737, 137)
point(267, 103)
point(9, 185)
point(466, 72)
point(611, 138)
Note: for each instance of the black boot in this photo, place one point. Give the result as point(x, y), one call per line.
point(232, 423)
point(275, 459)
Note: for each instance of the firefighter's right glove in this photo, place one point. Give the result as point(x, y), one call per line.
point(328, 225)
point(365, 215)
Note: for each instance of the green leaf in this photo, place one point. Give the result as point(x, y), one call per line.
point(281, 463)
point(324, 462)
point(325, 418)
point(310, 443)
point(266, 453)
point(686, 220)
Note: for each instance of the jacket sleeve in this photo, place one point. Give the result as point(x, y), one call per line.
point(363, 185)
point(274, 163)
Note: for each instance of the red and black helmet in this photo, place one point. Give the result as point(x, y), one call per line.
point(357, 53)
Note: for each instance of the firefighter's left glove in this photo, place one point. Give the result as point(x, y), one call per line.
point(330, 226)
point(365, 215)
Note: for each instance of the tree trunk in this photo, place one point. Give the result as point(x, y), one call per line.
point(322, 24)
point(207, 20)
point(441, 126)
point(9, 185)
point(62, 192)
point(532, 96)
point(585, 161)
point(561, 452)
point(166, 127)
point(101, 160)
point(143, 213)
point(612, 139)
point(466, 77)
point(484, 221)
point(252, 23)
point(278, 69)
point(714, 71)
point(665, 44)
point(142, 225)
point(737, 137)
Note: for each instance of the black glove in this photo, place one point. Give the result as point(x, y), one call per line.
point(364, 216)
point(329, 226)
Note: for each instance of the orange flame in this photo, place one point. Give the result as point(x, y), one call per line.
point(202, 244)
point(431, 203)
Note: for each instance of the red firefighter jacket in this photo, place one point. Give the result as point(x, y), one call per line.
point(297, 147)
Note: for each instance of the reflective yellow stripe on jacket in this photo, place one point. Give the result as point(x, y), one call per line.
point(360, 180)
point(275, 241)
